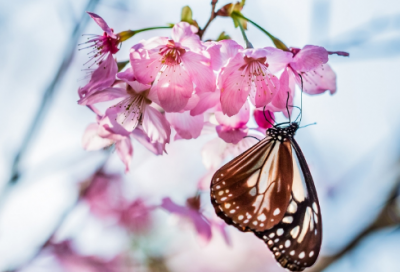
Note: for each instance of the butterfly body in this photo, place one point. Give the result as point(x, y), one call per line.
point(269, 191)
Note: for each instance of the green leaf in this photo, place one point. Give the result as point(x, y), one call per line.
point(243, 2)
point(223, 36)
point(187, 15)
point(122, 64)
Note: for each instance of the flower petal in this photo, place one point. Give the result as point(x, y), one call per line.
point(156, 126)
point(231, 135)
point(264, 89)
point(145, 63)
point(100, 21)
point(309, 58)
point(156, 147)
point(187, 126)
point(238, 120)
point(233, 85)
point(127, 75)
point(102, 96)
point(124, 150)
point(102, 78)
point(174, 88)
point(286, 88)
point(321, 79)
point(92, 141)
point(262, 121)
point(199, 69)
point(206, 101)
point(182, 33)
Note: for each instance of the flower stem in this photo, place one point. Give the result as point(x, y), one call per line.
point(248, 43)
point(125, 35)
point(278, 43)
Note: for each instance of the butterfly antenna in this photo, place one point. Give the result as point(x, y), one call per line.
point(249, 136)
point(287, 106)
point(301, 99)
point(269, 116)
point(308, 125)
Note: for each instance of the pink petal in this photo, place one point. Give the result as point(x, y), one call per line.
point(156, 126)
point(187, 126)
point(145, 63)
point(139, 87)
point(192, 103)
point(127, 75)
point(174, 88)
point(206, 101)
point(125, 151)
point(213, 153)
point(286, 88)
point(319, 80)
point(199, 70)
point(100, 21)
point(229, 49)
point(202, 226)
point(102, 96)
point(120, 116)
point(236, 121)
point(156, 147)
point(260, 118)
point(231, 135)
point(309, 58)
point(102, 78)
point(182, 33)
point(264, 89)
point(92, 141)
point(111, 129)
point(277, 58)
point(234, 87)
point(214, 54)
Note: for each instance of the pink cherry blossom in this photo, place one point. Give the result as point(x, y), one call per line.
point(102, 78)
point(103, 193)
point(71, 260)
point(133, 111)
point(316, 75)
point(96, 137)
point(186, 125)
point(192, 213)
point(233, 129)
point(102, 45)
point(135, 216)
point(248, 74)
point(264, 120)
point(174, 67)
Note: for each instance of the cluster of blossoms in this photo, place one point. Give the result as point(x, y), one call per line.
point(181, 85)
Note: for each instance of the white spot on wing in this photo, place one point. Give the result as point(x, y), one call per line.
point(306, 222)
point(262, 217)
point(279, 232)
point(227, 205)
point(277, 211)
point(287, 243)
point(271, 235)
point(253, 191)
point(252, 180)
point(311, 254)
point(295, 232)
point(299, 187)
point(292, 207)
point(292, 252)
point(301, 255)
point(240, 217)
point(287, 219)
point(315, 207)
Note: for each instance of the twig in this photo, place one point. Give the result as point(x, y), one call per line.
point(50, 91)
point(384, 219)
point(212, 17)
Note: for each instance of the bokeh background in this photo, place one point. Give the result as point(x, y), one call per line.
point(353, 151)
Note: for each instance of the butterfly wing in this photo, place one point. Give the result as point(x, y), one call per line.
point(252, 192)
point(296, 240)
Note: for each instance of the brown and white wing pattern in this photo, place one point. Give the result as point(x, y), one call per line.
point(252, 192)
point(296, 240)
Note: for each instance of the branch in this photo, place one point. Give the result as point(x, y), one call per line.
point(387, 217)
point(212, 17)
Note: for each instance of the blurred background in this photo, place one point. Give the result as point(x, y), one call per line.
point(49, 220)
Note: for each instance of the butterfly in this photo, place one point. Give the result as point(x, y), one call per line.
point(269, 191)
